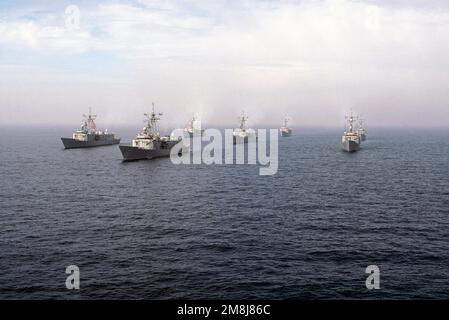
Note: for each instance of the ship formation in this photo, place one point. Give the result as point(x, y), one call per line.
point(88, 136)
point(149, 144)
point(353, 136)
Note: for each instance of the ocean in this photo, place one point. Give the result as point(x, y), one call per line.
point(154, 230)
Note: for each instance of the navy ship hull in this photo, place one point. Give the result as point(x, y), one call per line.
point(131, 153)
point(286, 133)
point(70, 143)
point(350, 146)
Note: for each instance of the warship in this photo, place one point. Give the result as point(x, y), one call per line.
point(350, 140)
point(148, 144)
point(242, 134)
point(285, 130)
point(361, 130)
point(88, 136)
point(194, 127)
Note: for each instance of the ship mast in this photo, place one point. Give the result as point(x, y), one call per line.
point(243, 120)
point(88, 122)
point(350, 123)
point(192, 122)
point(361, 123)
point(152, 120)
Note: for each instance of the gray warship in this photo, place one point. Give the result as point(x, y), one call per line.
point(148, 144)
point(87, 136)
point(361, 130)
point(285, 130)
point(242, 134)
point(194, 127)
point(350, 140)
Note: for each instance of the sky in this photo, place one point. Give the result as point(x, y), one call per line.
point(312, 61)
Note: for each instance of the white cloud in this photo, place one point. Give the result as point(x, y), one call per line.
point(40, 37)
point(335, 31)
point(312, 57)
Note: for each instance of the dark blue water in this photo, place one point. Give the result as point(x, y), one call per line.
point(153, 230)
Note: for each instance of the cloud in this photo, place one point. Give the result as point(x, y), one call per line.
point(248, 32)
point(37, 37)
point(307, 58)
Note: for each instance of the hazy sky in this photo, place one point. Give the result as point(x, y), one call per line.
point(309, 60)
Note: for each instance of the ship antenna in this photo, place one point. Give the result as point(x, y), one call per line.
point(152, 120)
point(243, 120)
point(351, 121)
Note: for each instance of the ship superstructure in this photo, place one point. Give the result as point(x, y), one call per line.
point(242, 134)
point(350, 140)
point(194, 127)
point(361, 131)
point(285, 130)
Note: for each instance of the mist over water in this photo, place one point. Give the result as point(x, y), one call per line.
point(152, 230)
